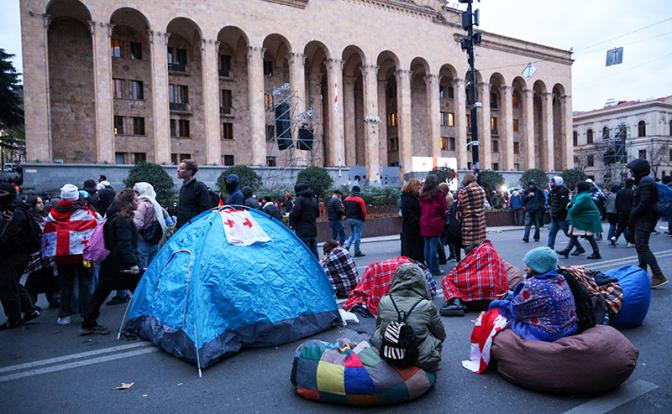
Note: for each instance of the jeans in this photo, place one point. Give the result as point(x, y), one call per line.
point(622, 228)
point(101, 293)
point(518, 217)
point(337, 231)
point(559, 224)
point(67, 275)
point(643, 230)
point(312, 245)
point(356, 227)
point(146, 253)
point(533, 218)
point(431, 258)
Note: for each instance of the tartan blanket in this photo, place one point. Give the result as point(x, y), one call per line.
point(481, 275)
point(612, 293)
point(487, 325)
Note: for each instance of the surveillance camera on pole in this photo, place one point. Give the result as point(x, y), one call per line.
point(470, 19)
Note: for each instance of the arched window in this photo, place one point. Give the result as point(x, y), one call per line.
point(575, 136)
point(589, 136)
point(641, 129)
point(605, 132)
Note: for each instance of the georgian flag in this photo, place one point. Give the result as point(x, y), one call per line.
point(68, 235)
point(486, 327)
point(241, 229)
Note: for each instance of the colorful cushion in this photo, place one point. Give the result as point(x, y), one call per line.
point(596, 360)
point(353, 374)
point(636, 296)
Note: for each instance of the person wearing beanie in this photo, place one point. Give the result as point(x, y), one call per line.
point(302, 217)
point(541, 307)
point(471, 212)
point(355, 214)
point(584, 219)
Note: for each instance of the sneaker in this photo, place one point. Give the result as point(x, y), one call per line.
point(359, 254)
point(658, 281)
point(578, 252)
point(10, 324)
point(30, 316)
point(94, 330)
point(563, 253)
point(526, 241)
point(629, 245)
point(64, 320)
point(118, 300)
point(612, 241)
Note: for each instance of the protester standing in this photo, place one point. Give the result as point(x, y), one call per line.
point(194, 198)
point(516, 203)
point(270, 208)
point(412, 243)
point(558, 199)
point(105, 197)
point(335, 213)
point(643, 219)
point(667, 180)
point(42, 275)
point(149, 221)
point(610, 210)
point(623, 207)
point(355, 213)
point(432, 219)
point(584, 219)
point(249, 199)
point(303, 215)
point(471, 212)
point(533, 202)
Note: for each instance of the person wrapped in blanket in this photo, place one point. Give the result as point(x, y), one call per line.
point(409, 295)
point(340, 268)
point(542, 306)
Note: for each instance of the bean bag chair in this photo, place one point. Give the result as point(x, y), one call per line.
point(636, 296)
point(354, 374)
point(596, 360)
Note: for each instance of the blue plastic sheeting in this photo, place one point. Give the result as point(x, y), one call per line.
point(202, 292)
point(636, 296)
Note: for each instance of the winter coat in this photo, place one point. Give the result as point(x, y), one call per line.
point(306, 209)
point(558, 199)
point(105, 197)
point(433, 216)
point(272, 210)
point(471, 213)
point(516, 201)
point(144, 215)
point(533, 199)
point(335, 209)
point(453, 227)
point(194, 199)
point(355, 208)
point(583, 214)
point(121, 239)
point(624, 201)
point(412, 243)
point(645, 194)
point(14, 238)
point(408, 287)
point(610, 205)
point(542, 308)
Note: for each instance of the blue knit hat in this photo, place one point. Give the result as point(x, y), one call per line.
point(541, 260)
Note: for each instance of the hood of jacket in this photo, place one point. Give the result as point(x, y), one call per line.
point(559, 182)
point(232, 182)
point(409, 280)
point(247, 192)
point(639, 167)
point(583, 186)
point(306, 192)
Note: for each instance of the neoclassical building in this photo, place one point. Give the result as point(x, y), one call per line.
point(382, 81)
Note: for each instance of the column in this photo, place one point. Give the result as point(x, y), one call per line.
point(371, 122)
point(485, 134)
point(567, 122)
point(460, 123)
point(255, 67)
point(434, 108)
point(382, 129)
point(528, 129)
point(102, 81)
point(506, 130)
point(404, 119)
point(36, 106)
point(213, 148)
point(161, 114)
point(335, 96)
point(297, 81)
point(547, 137)
point(349, 120)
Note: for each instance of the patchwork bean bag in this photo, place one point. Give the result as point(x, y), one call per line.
point(636, 296)
point(353, 374)
point(594, 361)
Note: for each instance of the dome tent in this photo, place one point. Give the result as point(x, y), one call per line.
point(203, 298)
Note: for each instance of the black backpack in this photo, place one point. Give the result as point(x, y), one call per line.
point(400, 345)
point(153, 233)
point(590, 310)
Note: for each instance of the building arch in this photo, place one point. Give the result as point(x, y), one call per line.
point(420, 107)
point(354, 60)
point(74, 9)
point(520, 115)
point(560, 127)
point(388, 85)
point(317, 92)
point(496, 122)
point(540, 144)
point(448, 99)
point(277, 48)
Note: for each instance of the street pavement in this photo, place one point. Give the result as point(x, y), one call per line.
point(48, 368)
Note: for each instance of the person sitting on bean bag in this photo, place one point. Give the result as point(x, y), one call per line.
point(542, 307)
point(409, 299)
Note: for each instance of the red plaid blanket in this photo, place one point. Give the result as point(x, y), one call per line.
point(374, 284)
point(481, 275)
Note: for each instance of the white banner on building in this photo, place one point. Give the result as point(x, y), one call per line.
point(425, 164)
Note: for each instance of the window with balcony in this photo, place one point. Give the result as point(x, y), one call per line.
point(118, 125)
point(119, 88)
point(136, 50)
point(116, 48)
point(178, 97)
point(138, 125)
point(228, 160)
point(226, 106)
point(137, 90)
point(227, 130)
point(493, 126)
point(179, 128)
point(177, 59)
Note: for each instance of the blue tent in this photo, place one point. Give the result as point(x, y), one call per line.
point(203, 298)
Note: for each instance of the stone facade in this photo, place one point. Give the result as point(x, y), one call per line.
point(382, 80)
point(648, 129)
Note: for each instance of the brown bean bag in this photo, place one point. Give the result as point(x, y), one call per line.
point(594, 361)
point(513, 275)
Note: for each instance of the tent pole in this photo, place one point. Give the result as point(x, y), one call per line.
point(123, 320)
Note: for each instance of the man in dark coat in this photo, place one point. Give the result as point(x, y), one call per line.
point(623, 207)
point(302, 217)
point(235, 195)
point(558, 198)
point(643, 219)
point(194, 197)
point(105, 196)
point(250, 200)
point(335, 213)
point(533, 202)
point(270, 208)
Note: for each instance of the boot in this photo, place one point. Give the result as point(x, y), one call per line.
point(594, 256)
point(658, 281)
point(563, 253)
point(453, 307)
point(578, 252)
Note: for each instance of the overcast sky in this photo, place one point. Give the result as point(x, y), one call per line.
point(646, 71)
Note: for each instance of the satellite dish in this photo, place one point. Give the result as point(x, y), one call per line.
point(529, 71)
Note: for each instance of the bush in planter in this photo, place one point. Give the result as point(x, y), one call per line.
point(491, 181)
point(317, 178)
point(159, 179)
point(534, 174)
point(380, 196)
point(248, 178)
point(445, 174)
point(571, 176)
point(277, 194)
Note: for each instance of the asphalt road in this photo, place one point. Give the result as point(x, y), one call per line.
point(48, 368)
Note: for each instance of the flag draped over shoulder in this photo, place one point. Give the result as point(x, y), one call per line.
point(66, 233)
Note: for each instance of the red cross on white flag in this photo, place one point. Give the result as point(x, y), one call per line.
point(241, 229)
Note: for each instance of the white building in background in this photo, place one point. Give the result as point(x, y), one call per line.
point(648, 128)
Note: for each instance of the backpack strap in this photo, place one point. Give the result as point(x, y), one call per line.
point(401, 318)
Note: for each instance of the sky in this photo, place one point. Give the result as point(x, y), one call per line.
point(646, 71)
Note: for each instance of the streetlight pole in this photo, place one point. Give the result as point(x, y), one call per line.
point(469, 20)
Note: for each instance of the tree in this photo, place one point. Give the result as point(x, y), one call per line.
point(445, 174)
point(491, 181)
point(571, 176)
point(11, 109)
point(534, 174)
point(159, 179)
point(317, 179)
point(248, 178)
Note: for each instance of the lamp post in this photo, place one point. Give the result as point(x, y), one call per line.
point(469, 20)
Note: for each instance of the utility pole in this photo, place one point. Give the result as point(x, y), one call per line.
point(469, 20)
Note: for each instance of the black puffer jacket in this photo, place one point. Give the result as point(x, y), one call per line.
point(645, 194)
point(121, 239)
point(624, 201)
point(335, 209)
point(14, 236)
point(557, 200)
point(306, 209)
